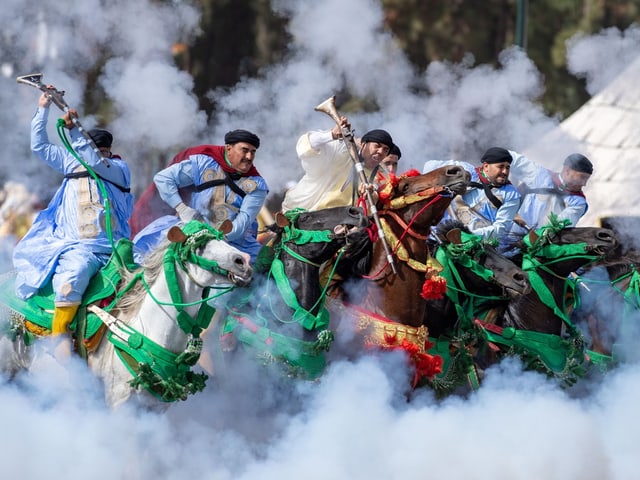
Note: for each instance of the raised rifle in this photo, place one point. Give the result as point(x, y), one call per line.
point(57, 97)
point(329, 107)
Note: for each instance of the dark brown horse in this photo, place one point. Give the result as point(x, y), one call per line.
point(480, 284)
point(551, 259)
point(386, 309)
point(480, 281)
point(283, 317)
point(538, 326)
point(612, 305)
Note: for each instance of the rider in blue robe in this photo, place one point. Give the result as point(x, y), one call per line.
point(224, 186)
point(67, 242)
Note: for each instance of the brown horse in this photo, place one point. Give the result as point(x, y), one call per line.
point(480, 281)
point(551, 259)
point(538, 326)
point(612, 305)
point(384, 308)
point(283, 316)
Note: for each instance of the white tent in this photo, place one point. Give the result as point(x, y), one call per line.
point(607, 130)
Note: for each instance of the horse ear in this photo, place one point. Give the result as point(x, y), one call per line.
point(533, 236)
point(454, 236)
point(176, 235)
point(281, 220)
point(226, 226)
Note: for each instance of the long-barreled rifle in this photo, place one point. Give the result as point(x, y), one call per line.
point(328, 107)
point(57, 97)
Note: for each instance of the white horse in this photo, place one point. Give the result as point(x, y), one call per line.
point(160, 311)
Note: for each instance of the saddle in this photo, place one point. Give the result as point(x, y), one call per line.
point(38, 310)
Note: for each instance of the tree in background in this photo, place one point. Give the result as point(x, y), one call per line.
point(239, 38)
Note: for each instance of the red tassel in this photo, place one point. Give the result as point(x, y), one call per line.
point(434, 288)
point(411, 173)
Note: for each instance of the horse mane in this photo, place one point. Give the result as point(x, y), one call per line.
point(446, 226)
point(151, 268)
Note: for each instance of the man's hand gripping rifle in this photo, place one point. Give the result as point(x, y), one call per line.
point(328, 107)
point(57, 97)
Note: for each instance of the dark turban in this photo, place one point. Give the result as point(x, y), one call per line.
point(378, 136)
point(245, 136)
point(496, 155)
point(102, 138)
point(579, 163)
point(395, 150)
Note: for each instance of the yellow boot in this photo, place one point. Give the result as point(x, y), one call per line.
point(62, 318)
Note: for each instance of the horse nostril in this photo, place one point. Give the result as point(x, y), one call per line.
point(241, 260)
point(454, 171)
point(519, 278)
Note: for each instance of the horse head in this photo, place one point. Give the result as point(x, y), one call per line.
point(551, 255)
point(208, 259)
point(307, 239)
point(479, 279)
point(565, 249)
point(420, 200)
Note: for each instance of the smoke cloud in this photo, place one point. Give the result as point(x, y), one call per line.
point(356, 422)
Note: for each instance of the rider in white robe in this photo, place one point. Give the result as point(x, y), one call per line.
point(544, 191)
point(330, 179)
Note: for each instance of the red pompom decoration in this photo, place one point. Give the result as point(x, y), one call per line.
point(434, 288)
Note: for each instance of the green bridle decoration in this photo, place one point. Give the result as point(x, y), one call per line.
point(451, 255)
point(563, 358)
point(459, 366)
point(292, 234)
point(198, 235)
point(302, 358)
point(543, 247)
point(163, 373)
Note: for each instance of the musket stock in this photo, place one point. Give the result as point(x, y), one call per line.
point(328, 107)
point(57, 97)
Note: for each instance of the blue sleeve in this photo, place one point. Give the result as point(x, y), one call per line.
point(504, 217)
point(576, 207)
point(169, 180)
point(55, 156)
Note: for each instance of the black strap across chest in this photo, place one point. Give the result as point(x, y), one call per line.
point(85, 173)
point(227, 180)
point(495, 201)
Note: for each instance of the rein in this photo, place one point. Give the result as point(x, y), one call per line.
point(301, 357)
point(296, 236)
point(451, 255)
point(198, 235)
point(399, 249)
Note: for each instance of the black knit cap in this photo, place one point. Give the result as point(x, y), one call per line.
point(579, 163)
point(496, 155)
point(395, 150)
point(246, 136)
point(101, 137)
point(378, 136)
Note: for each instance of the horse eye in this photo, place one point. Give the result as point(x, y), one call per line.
point(405, 188)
